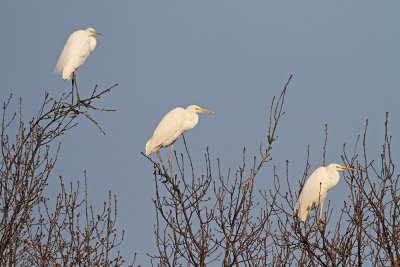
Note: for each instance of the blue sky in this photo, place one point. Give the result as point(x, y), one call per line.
point(227, 56)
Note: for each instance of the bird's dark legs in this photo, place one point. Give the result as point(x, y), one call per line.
point(160, 159)
point(76, 87)
point(72, 95)
point(170, 159)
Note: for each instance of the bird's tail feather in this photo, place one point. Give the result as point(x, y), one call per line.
point(147, 148)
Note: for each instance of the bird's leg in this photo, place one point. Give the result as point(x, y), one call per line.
point(72, 95)
point(159, 157)
point(161, 161)
point(170, 159)
point(321, 207)
point(321, 223)
point(76, 87)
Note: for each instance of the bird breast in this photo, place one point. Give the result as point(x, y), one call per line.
point(190, 121)
point(92, 43)
point(332, 178)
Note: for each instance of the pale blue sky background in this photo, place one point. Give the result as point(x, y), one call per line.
point(228, 56)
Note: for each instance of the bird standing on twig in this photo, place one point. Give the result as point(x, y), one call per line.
point(78, 47)
point(171, 126)
point(316, 188)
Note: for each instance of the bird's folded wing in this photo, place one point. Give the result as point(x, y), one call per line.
point(77, 46)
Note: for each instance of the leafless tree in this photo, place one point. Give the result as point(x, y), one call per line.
point(36, 230)
point(215, 218)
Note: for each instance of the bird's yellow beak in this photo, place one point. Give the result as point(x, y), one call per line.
point(206, 111)
point(97, 33)
point(345, 168)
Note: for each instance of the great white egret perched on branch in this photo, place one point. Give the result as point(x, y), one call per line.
point(171, 126)
point(78, 47)
point(315, 189)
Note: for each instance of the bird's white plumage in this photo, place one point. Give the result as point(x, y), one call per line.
point(76, 50)
point(172, 125)
point(316, 188)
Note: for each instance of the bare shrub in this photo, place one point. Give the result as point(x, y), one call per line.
point(36, 230)
point(215, 218)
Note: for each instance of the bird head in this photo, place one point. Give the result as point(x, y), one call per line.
point(197, 109)
point(92, 32)
point(341, 168)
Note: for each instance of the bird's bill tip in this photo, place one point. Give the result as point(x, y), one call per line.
point(345, 168)
point(98, 33)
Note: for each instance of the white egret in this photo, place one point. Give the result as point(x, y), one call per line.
point(171, 126)
point(78, 47)
point(316, 188)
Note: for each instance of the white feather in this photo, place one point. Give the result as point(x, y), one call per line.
point(75, 52)
point(172, 125)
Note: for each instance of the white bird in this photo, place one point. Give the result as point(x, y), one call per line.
point(172, 125)
point(78, 47)
point(316, 188)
